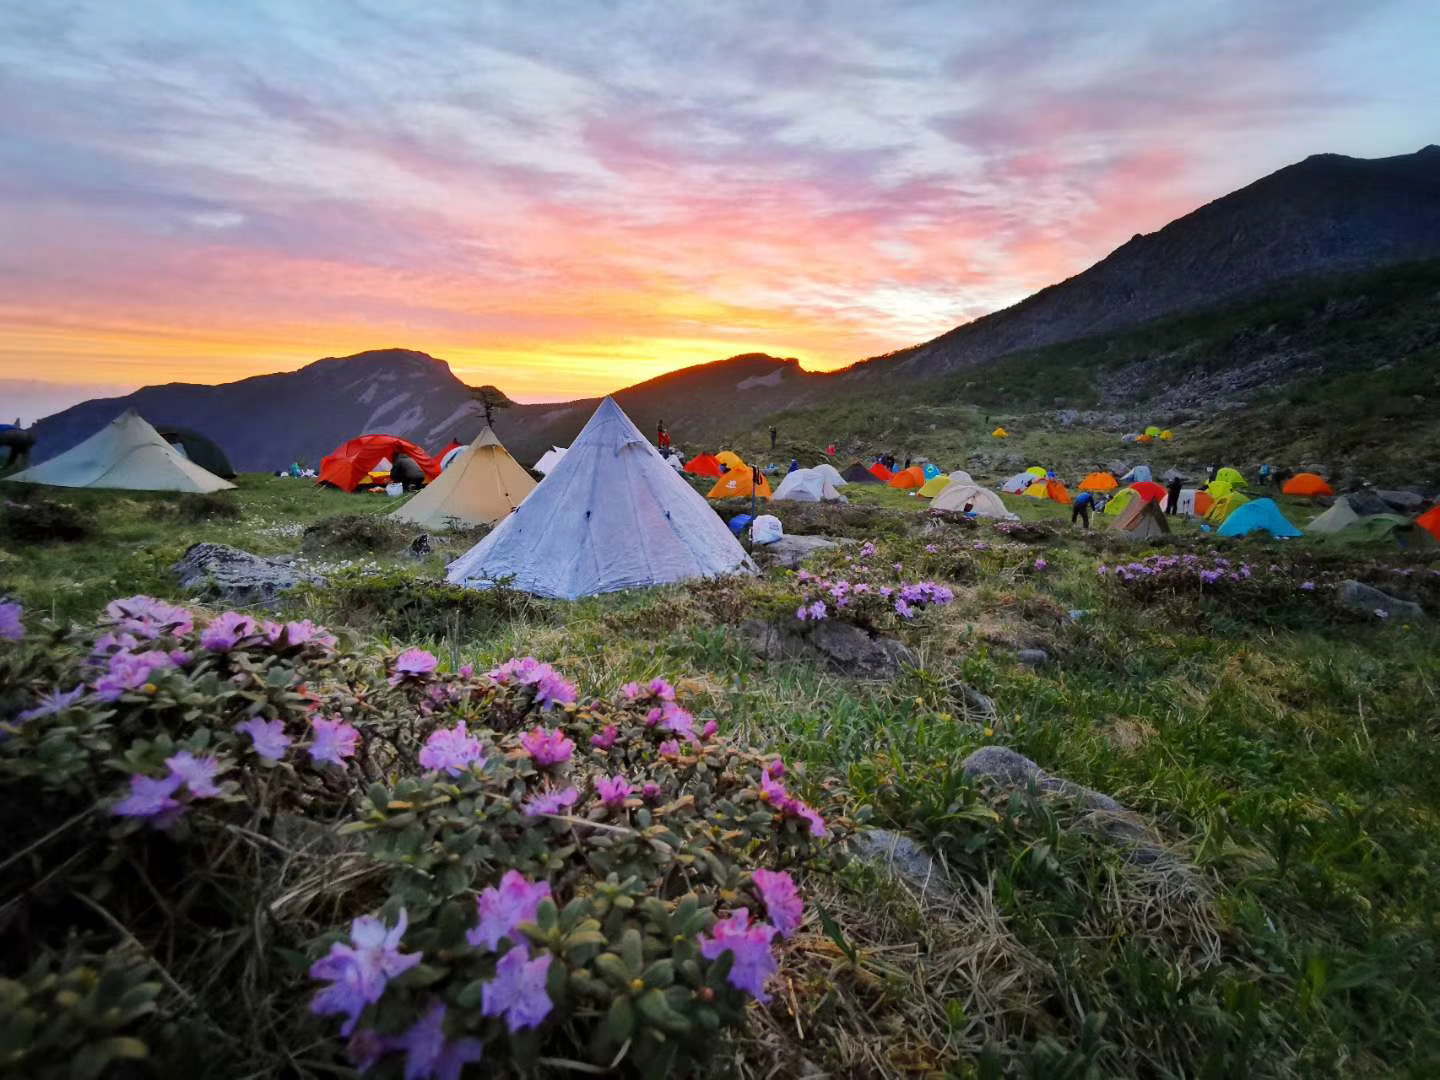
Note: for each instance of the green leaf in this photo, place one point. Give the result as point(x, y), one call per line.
point(620, 1020)
point(632, 951)
point(657, 1010)
point(659, 974)
point(613, 969)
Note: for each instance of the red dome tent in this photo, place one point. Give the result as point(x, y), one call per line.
point(704, 465)
point(881, 473)
point(1148, 490)
point(348, 465)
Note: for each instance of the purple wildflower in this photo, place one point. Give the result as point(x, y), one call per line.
point(146, 617)
point(551, 802)
point(650, 790)
point(333, 741)
point(605, 739)
point(782, 900)
point(749, 945)
point(502, 908)
point(815, 611)
point(358, 972)
point(413, 664)
point(11, 626)
point(54, 702)
point(613, 791)
point(710, 728)
point(518, 990)
point(867, 549)
point(150, 798)
point(1308, 586)
point(228, 630)
point(674, 718)
point(662, 689)
point(550, 687)
point(670, 748)
point(1041, 564)
point(453, 750)
point(931, 548)
point(547, 747)
point(631, 691)
point(295, 634)
point(775, 769)
point(130, 671)
point(268, 736)
point(902, 608)
point(197, 774)
point(1209, 577)
point(427, 1054)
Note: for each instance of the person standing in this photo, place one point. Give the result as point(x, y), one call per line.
point(1172, 496)
point(773, 433)
point(662, 439)
point(1081, 507)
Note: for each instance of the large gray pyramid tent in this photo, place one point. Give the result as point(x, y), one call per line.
point(610, 515)
point(126, 453)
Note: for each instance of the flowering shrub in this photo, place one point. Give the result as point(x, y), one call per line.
point(605, 881)
point(866, 593)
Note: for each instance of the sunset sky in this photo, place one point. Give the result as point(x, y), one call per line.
point(564, 198)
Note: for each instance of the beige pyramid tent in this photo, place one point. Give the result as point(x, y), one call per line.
point(126, 453)
point(1141, 520)
point(481, 486)
point(980, 500)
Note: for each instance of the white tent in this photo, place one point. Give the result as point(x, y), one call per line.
point(126, 453)
point(831, 474)
point(549, 460)
point(1186, 502)
point(981, 501)
point(1017, 483)
point(960, 476)
point(807, 485)
point(676, 462)
point(481, 486)
point(451, 455)
point(610, 515)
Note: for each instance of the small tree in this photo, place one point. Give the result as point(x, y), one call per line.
point(489, 398)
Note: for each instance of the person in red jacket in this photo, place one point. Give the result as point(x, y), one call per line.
point(662, 439)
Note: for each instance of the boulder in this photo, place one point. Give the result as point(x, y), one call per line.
point(790, 550)
point(1006, 767)
point(1032, 657)
point(1361, 597)
point(851, 651)
point(906, 859)
point(227, 575)
point(1407, 502)
point(1366, 503)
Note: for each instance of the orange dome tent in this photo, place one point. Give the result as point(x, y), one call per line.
point(913, 477)
point(730, 459)
point(1099, 481)
point(1203, 502)
point(1049, 489)
point(881, 473)
point(704, 465)
point(1148, 490)
point(1307, 483)
point(1430, 520)
point(349, 464)
point(738, 483)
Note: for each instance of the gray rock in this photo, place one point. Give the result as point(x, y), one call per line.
point(224, 574)
point(765, 639)
point(1366, 503)
point(420, 546)
point(790, 550)
point(1361, 597)
point(1006, 767)
point(1406, 502)
point(977, 702)
point(851, 651)
point(1032, 657)
point(910, 862)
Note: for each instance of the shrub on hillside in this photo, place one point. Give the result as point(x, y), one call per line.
point(399, 604)
point(356, 534)
point(629, 862)
point(38, 520)
point(210, 506)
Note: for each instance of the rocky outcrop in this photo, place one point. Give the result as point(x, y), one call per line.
point(841, 646)
point(227, 575)
point(1358, 596)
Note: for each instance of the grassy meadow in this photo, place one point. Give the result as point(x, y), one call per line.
point(1280, 753)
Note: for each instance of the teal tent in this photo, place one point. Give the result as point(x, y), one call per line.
point(932, 471)
point(1258, 515)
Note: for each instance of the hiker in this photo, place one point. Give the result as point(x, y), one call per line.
point(772, 436)
point(662, 439)
point(1080, 509)
point(1210, 471)
point(1172, 496)
point(1266, 475)
point(794, 465)
point(830, 450)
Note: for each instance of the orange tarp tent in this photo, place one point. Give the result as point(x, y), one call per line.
point(738, 483)
point(1430, 521)
point(1049, 489)
point(913, 477)
point(1307, 483)
point(881, 473)
point(1203, 502)
point(348, 465)
point(704, 465)
point(1099, 481)
point(1148, 490)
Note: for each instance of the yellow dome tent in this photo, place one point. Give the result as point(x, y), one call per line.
point(1037, 472)
point(1000, 433)
point(1049, 489)
point(1224, 506)
point(730, 459)
point(1167, 435)
point(1122, 499)
point(934, 486)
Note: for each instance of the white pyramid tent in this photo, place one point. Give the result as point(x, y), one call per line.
point(481, 486)
point(549, 460)
point(126, 453)
point(981, 501)
point(831, 474)
point(611, 515)
point(808, 485)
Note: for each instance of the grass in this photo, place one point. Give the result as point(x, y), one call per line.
point(1280, 919)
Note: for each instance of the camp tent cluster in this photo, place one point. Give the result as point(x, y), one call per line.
point(130, 455)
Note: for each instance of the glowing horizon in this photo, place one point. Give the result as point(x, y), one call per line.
point(566, 202)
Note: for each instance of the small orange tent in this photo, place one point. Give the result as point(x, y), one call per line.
point(1049, 489)
point(704, 465)
point(881, 473)
point(348, 465)
point(1099, 481)
point(739, 483)
point(1307, 483)
point(913, 477)
point(1148, 490)
point(1203, 502)
point(1430, 520)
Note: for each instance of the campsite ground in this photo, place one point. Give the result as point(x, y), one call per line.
point(1279, 919)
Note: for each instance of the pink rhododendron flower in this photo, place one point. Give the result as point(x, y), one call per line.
point(504, 907)
point(333, 740)
point(754, 962)
point(551, 802)
point(413, 664)
point(662, 689)
point(54, 702)
point(547, 747)
point(782, 900)
point(710, 728)
point(150, 798)
point(550, 687)
point(650, 790)
point(774, 793)
point(12, 628)
point(631, 691)
point(146, 617)
point(605, 739)
point(428, 1056)
point(130, 671)
point(613, 791)
point(268, 736)
point(452, 749)
point(295, 634)
point(674, 718)
point(669, 748)
point(228, 630)
point(776, 769)
point(358, 972)
point(197, 774)
point(518, 990)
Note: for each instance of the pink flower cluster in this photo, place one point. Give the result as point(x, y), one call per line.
point(413, 665)
point(1180, 568)
point(11, 626)
point(154, 798)
point(452, 750)
point(773, 791)
point(550, 687)
point(547, 747)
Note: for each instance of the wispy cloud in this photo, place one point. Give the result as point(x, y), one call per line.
point(568, 197)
